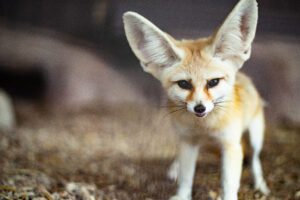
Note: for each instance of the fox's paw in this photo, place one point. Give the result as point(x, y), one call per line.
point(176, 197)
point(173, 171)
point(263, 188)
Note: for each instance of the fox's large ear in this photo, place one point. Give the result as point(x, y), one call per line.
point(154, 48)
point(232, 42)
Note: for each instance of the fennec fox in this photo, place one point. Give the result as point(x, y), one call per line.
point(202, 77)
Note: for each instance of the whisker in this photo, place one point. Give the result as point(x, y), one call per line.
point(222, 100)
point(219, 106)
point(222, 109)
point(173, 111)
point(225, 101)
point(172, 106)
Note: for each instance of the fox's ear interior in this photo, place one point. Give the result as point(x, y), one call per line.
point(154, 48)
point(232, 42)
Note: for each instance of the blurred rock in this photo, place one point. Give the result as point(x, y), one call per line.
point(75, 76)
point(275, 69)
point(82, 191)
point(7, 112)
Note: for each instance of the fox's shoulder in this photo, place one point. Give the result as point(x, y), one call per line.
point(243, 78)
point(247, 97)
point(245, 86)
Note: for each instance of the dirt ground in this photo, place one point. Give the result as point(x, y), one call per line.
point(123, 153)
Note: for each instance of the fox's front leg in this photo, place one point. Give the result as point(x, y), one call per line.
point(232, 169)
point(187, 158)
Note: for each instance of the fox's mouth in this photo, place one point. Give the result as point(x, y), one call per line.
point(200, 114)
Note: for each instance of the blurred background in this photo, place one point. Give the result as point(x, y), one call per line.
point(72, 53)
point(81, 120)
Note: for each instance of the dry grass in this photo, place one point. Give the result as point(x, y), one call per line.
point(122, 153)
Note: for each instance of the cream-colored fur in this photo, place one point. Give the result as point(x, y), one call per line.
point(231, 106)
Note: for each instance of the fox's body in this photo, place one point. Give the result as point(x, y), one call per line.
point(207, 94)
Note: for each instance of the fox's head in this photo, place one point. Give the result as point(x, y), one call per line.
point(196, 73)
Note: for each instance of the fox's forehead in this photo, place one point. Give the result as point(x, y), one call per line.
point(197, 74)
point(195, 53)
point(198, 64)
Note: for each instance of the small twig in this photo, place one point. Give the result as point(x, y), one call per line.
point(2, 196)
point(45, 192)
point(7, 188)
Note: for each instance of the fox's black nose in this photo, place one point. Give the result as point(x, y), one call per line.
point(199, 109)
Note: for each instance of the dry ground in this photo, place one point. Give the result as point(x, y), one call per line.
point(123, 153)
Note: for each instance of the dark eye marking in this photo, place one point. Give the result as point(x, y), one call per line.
point(184, 84)
point(213, 82)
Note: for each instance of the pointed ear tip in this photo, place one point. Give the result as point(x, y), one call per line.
point(247, 3)
point(130, 14)
point(252, 3)
point(126, 15)
point(248, 6)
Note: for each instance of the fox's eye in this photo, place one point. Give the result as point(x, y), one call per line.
point(185, 84)
point(213, 82)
